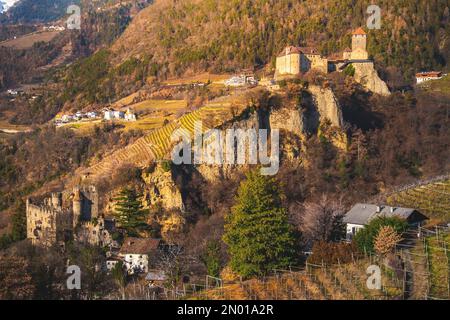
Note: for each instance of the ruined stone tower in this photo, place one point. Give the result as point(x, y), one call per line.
point(48, 223)
point(84, 204)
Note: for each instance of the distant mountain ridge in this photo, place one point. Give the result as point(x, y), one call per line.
point(32, 11)
point(6, 4)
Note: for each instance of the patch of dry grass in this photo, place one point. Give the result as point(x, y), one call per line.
point(27, 41)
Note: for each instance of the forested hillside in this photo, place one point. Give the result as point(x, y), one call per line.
point(100, 29)
point(171, 38)
point(226, 35)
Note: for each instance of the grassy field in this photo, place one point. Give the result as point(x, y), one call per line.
point(203, 77)
point(441, 85)
point(432, 199)
point(125, 101)
point(5, 125)
point(27, 41)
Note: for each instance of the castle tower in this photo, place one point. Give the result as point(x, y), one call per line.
point(76, 206)
point(57, 200)
point(359, 44)
point(93, 197)
point(347, 53)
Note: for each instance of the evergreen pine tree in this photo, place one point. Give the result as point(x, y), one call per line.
point(129, 212)
point(257, 232)
point(19, 223)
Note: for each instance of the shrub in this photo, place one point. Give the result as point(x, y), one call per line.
point(333, 252)
point(365, 238)
point(166, 165)
point(349, 70)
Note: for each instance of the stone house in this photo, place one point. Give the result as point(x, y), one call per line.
point(137, 252)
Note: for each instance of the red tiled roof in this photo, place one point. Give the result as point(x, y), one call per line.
point(309, 50)
point(139, 245)
point(292, 50)
point(360, 31)
point(428, 74)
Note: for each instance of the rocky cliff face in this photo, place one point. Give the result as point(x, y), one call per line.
point(366, 75)
point(327, 105)
point(162, 190)
point(289, 119)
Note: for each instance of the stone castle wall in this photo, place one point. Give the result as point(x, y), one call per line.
point(52, 223)
point(47, 224)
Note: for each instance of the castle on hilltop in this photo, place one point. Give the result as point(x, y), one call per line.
point(68, 216)
point(297, 60)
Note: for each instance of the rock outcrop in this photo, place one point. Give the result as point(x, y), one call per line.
point(287, 119)
point(162, 189)
point(366, 75)
point(327, 105)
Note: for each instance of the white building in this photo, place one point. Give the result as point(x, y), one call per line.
point(119, 115)
point(92, 114)
point(362, 213)
point(67, 118)
point(13, 92)
point(241, 80)
point(427, 76)
point(111, 263)
point(108, 114)
point(130, 116)
point(136, 253)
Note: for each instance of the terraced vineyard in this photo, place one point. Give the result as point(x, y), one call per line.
point(438, 255)
point(156, 145)
point(432, 199)
point(347, 282)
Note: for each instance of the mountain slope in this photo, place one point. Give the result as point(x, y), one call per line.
point(26, 11)
point(221, 35)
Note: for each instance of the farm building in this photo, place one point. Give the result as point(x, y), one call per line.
point(362, 213)
point(136, 253)
point(427, 76)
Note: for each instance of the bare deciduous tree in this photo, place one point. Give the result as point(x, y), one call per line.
point(322, 220)
point(174, 262)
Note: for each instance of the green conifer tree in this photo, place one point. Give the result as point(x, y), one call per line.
point(257, 232)
point(129, 212)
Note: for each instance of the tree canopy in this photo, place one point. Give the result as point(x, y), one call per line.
point(257, 231)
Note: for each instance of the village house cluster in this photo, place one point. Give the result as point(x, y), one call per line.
point(111, 114)
point(108, 115)
point(79, 116)
point(244, 79)
point(53, 28)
